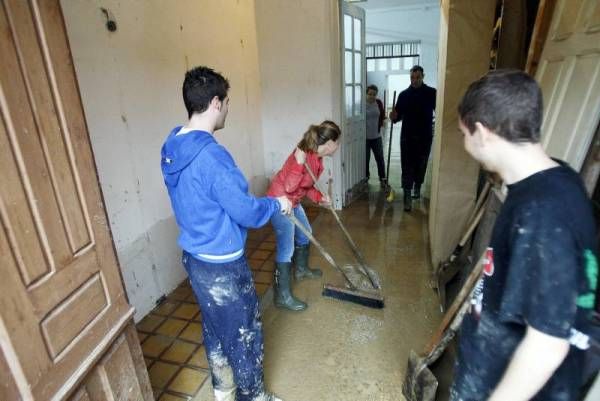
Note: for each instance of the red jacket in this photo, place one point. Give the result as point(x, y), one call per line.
point(294, 181)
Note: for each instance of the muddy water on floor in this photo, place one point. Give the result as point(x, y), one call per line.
point(339, 351)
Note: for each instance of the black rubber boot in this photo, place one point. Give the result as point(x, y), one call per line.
point(283, 292)
point(407, 200)
point(416, 192)
point(301, 261)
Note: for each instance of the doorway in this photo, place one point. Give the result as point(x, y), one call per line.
point(399, 34)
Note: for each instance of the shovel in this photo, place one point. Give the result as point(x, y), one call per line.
point(419, 383)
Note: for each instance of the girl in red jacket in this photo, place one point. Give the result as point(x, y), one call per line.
point(295, 182)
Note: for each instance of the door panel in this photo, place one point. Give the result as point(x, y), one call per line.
point(569, 75)
point(592, 20)
point(567, 19)
point(63, 302)
point(8, 386)
point(119, 375)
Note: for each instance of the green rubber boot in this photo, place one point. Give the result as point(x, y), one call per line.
point(283, 290)
point(301, 260)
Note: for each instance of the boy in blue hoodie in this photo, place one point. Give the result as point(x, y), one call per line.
point(213, 210)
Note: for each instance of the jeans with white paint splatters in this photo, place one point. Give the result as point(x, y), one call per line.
point(230, 324)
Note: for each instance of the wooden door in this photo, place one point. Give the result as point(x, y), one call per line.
point(63, 308)
point(349, 161)
point(569, 74)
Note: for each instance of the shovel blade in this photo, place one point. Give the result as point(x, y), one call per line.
point(419, 383)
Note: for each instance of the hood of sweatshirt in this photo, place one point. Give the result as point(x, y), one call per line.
point(178, 151)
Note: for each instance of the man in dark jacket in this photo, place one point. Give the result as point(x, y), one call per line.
point(415, 107)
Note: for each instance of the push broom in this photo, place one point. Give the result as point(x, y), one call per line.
point(352, 293)
point(364, 270)
point(371, 296)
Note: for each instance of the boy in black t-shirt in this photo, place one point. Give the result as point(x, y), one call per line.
point(520, 341)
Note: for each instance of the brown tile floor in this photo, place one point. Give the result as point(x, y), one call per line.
point(171, 335)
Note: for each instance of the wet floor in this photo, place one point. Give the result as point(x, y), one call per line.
point(339, 351)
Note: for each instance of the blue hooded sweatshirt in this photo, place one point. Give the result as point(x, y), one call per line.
point(209, 196)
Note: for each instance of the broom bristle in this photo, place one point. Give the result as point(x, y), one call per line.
point(357, 297)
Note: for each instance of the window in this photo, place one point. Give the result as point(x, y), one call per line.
point(357, 68)
point(348, 67)
point(392, 56)
point(389, 50)
point(410, 62)
point(357, 99)
point(349, 100)
point(357, 34)
point(353, 67)
point(347, 32)
point(370, 65)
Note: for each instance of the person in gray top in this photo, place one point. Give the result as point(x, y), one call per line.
point(375, 116)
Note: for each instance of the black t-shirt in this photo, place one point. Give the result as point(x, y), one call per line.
point(543, 274)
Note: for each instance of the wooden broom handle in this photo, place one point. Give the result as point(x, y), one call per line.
point(353, 246)
point(458, 302)
point(321, 249)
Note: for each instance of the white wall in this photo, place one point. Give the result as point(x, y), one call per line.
point(407, 23)
point(299, 71)
point(130, 83)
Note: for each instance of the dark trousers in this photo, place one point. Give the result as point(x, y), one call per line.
point(414, 154)
point(230, 324)
point(376, 145)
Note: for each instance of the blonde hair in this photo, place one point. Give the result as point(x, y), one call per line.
point(319, 135)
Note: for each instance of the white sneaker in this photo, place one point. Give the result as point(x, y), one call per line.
point(267, 397)
point(225, 395)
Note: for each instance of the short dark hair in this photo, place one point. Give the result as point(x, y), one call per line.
point(508, 102)
point(200, 86)
point(373, 87)
point(417, 68)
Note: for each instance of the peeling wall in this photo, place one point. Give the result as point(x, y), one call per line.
point(299, 71)
point(130, 83)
